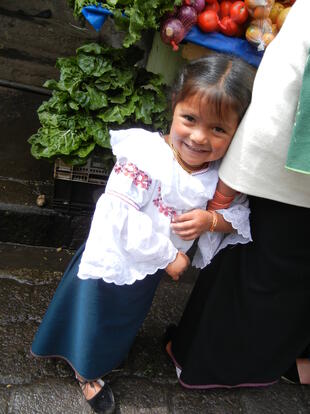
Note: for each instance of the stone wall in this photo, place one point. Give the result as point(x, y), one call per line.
point(33, 34)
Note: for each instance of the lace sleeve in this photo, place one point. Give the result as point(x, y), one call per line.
point(211, 243)
point(123, 245)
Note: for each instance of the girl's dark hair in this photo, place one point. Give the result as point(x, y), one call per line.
point(223, 79)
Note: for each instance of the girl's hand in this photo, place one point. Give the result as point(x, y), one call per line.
point(189, 226)
point(178, 266)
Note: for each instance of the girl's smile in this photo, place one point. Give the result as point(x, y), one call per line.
point(199, 134)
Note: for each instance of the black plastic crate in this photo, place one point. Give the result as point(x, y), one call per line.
point(77, 188)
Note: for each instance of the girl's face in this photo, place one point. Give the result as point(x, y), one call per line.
point(199, 134)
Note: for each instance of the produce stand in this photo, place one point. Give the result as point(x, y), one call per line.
point(162, 59)
point(97, 15)
point(77, 188)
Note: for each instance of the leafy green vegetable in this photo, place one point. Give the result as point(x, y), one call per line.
point(133, 16)
point(97, 90)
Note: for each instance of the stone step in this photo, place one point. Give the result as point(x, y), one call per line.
point(35, 226)
point(23, 179)
point(145, 383)
point(23, 221)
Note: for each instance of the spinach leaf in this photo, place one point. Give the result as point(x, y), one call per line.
point(100, 88)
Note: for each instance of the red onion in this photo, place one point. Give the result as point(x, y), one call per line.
point(198, 5)
point(172, 32)
point(188, 16)
point(171, 13)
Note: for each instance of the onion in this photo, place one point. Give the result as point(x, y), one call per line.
point(172, 32)
point(198, 5)
point(188, 16)
point(171, 13)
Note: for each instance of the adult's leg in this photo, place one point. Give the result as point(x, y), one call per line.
point(246, 320)
point(303, 368)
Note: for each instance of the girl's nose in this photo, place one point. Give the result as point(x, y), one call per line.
point(199, 136)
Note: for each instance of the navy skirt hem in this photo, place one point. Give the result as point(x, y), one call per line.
point(92, 324)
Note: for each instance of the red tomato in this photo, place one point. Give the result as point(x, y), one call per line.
point(239, 12)
point(228, 26)
point(208, 21)
point(213, 6)
point(225, 8)
point(210, 1)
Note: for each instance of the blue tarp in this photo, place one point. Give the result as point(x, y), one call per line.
point(96, 16)
point(221, 43)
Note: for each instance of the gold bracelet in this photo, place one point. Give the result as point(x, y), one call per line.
point(214, 221)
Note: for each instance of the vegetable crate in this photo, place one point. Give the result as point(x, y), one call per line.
point(77, 188)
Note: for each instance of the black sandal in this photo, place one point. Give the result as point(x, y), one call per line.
point(103, 402)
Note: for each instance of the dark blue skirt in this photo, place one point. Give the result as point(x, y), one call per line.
point(92, 324)
point(247, 319)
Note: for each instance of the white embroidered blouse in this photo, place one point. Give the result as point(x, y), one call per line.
point(130, 235)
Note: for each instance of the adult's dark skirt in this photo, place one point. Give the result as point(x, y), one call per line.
point(247, 319)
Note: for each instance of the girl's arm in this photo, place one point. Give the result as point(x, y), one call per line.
point(123, 241)
point(178, 266)
point(223, 197)
point(224, 189)
point(189, 226)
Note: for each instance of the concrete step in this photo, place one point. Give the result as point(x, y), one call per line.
point(23, 221)
point(35, 226)
point(146, 381)
point(23, 179)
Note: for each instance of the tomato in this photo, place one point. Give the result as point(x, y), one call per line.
point(210, 1)
point(241, 30)
point(238, 12)
point(213, 6)
point(228, 26)
point(225, 8)
point(208, 21)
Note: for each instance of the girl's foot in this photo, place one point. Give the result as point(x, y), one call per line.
point(98, 394)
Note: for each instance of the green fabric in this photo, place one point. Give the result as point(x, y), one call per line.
point(298, 157)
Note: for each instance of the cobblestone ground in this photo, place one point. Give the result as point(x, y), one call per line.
point(146, 382)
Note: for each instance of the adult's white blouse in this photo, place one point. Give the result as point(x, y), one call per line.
point(130, 234)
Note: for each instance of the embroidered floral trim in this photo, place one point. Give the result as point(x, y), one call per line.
point(139, 178)
point(158, 202)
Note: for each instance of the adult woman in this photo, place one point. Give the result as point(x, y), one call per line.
point(246, 322)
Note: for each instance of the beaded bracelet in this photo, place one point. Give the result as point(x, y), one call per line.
point(214, 221)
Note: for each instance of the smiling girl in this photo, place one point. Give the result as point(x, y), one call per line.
point(109, 286)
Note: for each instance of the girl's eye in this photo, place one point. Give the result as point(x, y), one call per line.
point(219, 130)
point(189, 118)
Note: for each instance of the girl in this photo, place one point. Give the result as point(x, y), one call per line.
point(108, 287)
